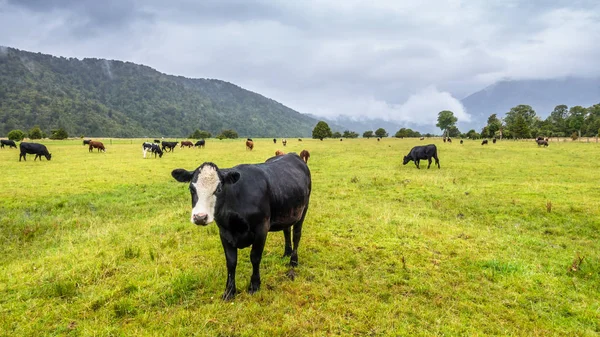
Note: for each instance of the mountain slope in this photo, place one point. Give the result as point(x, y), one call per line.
point(96, 97)
point(542, 95)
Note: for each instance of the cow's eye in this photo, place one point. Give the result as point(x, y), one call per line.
point(218, 189)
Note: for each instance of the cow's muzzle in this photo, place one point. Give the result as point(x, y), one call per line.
point(200, 219)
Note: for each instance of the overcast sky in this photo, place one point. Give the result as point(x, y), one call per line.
point(399, 60)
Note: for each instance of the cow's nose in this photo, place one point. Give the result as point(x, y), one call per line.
point(200, 218)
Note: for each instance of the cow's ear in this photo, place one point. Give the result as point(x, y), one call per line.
point(183, 176)
point(231, 177)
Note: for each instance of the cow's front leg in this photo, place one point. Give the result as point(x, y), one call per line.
point(255, 256)
point(429, 159)
point(231, 259)
point(417, 163)
point(287, 234)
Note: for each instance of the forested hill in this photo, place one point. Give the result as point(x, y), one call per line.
point(96, 97)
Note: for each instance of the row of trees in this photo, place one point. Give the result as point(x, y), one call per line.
point(37, 133)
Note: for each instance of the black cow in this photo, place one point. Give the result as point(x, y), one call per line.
point(461, 141)
point(422, 152)
point(541, 142)
point(200, 143)
point(246, 202)
point(33, 148)
point(274, 140)
point(494, 140)
point(169, 145)
point(157, 141)
point(484, 142)
point(7, 142)
point(153, 148)
point(86, 141)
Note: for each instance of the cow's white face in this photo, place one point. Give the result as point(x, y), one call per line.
point(203, 191)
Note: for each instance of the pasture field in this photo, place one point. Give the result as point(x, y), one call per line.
point(504, 239)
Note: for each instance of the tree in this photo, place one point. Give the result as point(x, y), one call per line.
point(17, 135)
point(453, 131)
point(59, 133)
point(576, 118)
point(336, 134)
point(558, 118)
point(520, 121)
point(367, 134)
point(381, 133)
point(349, 134)
point(228, 134)
point(493, 125)
point(35, 133)
point(200, 134)
point(321, 131)
point(446, 119)
point(472, 134)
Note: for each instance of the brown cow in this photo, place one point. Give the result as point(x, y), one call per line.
point(186, 143)
point(279, 153)
point(305, 155)
point(249, 145)
point(96, 145)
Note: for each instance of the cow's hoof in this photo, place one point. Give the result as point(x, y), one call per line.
point(228, 295)
point(253, 288)
point(294, 262)
point(287, 253)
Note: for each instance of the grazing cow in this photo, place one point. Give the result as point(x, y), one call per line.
point(200, 143)
point(449, 140)
point(421, 138)
point(284, 142)
point(279, 153)
point(86, 142)
point(539, 138)
point(299, 139)
point(484, 142)
point(444, 139)
point(249, 145)
point(378, 139)
point(274, 140)
point(157, 141)
point(341, 139)
point(186, 143)
point(461, 141)
point(96, 145)
point(168, 145)
point(494, 141)
point(304, 154)
point(153, 148)
point(248, 201)
point(7, 142)
point(422, 152)
point(541, 142)
point(33, 148)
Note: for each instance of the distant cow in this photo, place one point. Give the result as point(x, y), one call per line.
point(304, 154)
point(153, 148)
point(539, 138)
point(33, 148)
point(284, 142)
point(249, 145)
point(484, 142)
point(444, 139)
point(421, 138)
point(200, 143)
point(494, 141)
point(157, 141)
point(541, 142)
point(378, 139)
point(274, 140)
point(422, 152)
point(299, 139)
point(186, 143)
point(461, 141)
point(86, 142)
point(169, 145)
point(449, 140)
point(96, 145)
point(279, 153)
point(248, 201)
point(7, 142)
point(250, 139)
point(341, 139)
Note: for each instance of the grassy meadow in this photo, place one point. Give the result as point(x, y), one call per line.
point(504, 239)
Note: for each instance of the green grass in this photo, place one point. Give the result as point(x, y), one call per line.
point(101, 244)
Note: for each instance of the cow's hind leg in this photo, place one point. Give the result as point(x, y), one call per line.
point(429, 160)
point(297, 235)
point(417, 163)
point(437, 161)
point(287, 234)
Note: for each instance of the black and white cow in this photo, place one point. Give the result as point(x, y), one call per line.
point(168, 145)
point(200, 143)
point(7, 142)
point(248, 201)
point(33, 148)
point(422, 152)
point(153, 148)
